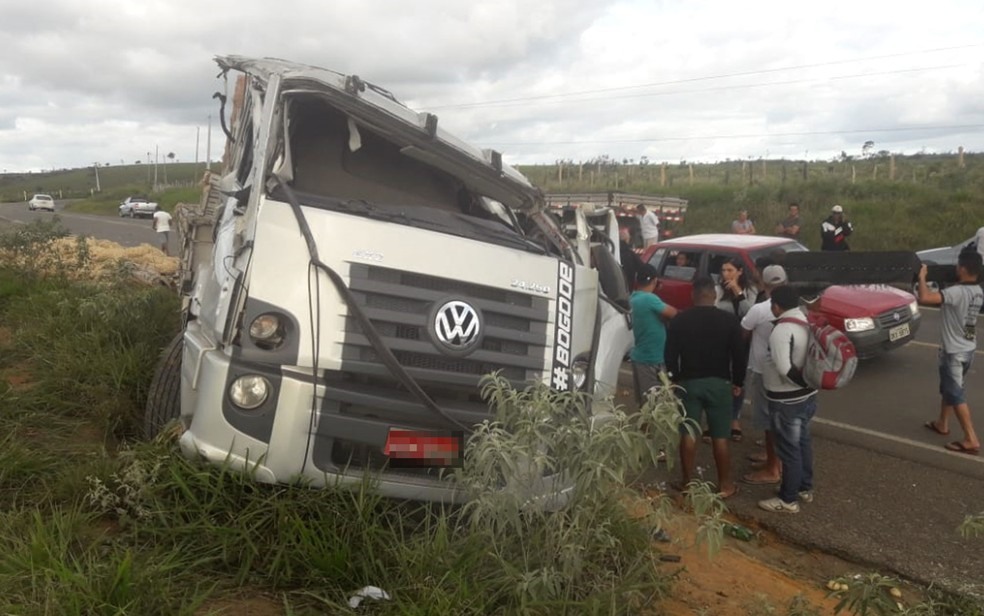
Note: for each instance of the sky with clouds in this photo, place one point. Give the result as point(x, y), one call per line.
point(109, 81)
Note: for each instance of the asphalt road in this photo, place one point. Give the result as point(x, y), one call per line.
point(888, 496)
point(124, 231)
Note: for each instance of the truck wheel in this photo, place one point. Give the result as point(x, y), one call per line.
point(164, 397)
point(610, 275)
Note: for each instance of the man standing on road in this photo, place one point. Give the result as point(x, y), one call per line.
point(960, 306)
point(705, 355)
point(834, 231)
point(162, 224)
point(792, 403)
point(649, 222)
point(649, 331)
point(757, 327)
point(790, 226)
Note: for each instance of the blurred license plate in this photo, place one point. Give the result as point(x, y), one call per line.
point(414, 448)
point(897, 333)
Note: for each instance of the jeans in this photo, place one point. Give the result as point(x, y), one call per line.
point(953, 370)
point(791, 426)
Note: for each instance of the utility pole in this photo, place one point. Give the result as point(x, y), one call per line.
point(95, 167)
point(148, 168)
point(198, 140)
point(208, 145)
point(156, 152)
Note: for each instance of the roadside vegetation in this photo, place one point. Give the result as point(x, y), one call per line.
point(107, 202)
point(81, 183)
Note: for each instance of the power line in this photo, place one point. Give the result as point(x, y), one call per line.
point(695, 79)
point(747, 86)
point(745, 136)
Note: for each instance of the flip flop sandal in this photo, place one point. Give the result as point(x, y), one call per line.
point(931, 425)
point(736, 435)
point(724, 496)
point(706, 436)
point(959, 447)
point(756, 457)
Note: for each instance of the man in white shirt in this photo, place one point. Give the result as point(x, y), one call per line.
point(756, 327)
point(649, 222)
point(792, 403)
point(162, 224)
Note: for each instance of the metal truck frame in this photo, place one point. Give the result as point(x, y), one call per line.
point(354, 271)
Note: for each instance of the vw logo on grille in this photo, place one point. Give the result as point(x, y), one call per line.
point(457, 325)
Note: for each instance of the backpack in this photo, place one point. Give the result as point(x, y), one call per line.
point(831, 358)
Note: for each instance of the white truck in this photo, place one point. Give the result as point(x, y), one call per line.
point(352, 275)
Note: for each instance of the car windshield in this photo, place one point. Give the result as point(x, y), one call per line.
point(42, 197)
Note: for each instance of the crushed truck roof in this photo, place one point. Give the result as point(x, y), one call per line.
point(417, 134)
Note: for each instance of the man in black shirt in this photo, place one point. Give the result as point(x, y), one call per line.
point(705, 355)
point(834, 230)
point(630, 260)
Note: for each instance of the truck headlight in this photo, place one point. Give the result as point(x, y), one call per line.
point(267, 331)
point(859, 325)
point(579, 372)
point(914, 308)
point(249, 391)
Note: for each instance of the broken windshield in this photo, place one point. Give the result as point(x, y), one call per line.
point(337, 164)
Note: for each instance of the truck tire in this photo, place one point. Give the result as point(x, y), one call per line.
point(164, 397)
point(610, 275)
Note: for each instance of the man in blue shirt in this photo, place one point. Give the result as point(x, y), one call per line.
point(648, 315)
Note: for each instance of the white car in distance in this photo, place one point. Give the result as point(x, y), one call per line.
point(41, 202)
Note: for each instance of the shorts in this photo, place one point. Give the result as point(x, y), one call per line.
point(163, 236)
point(712, 397)
point(646, 376)
point(953, 369)
point(755, 393)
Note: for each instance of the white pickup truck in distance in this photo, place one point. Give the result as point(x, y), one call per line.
point(137, 207)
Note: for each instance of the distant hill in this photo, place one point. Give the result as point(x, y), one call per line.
point(79, 183)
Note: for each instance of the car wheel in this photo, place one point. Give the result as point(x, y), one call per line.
point(164, 397)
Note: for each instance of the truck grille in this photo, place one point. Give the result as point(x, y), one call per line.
point(399, 304)
point(888, 319)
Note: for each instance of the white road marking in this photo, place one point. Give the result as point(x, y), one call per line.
point(897, 439)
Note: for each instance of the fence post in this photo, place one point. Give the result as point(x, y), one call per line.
point(874, 173)
point(891, 167)
point(805, 169)
point(662, 174)
point(765, 170)
point(960, 157)
point(691, 165)
point(580, 172)
point(854, 174)
point(560, 172)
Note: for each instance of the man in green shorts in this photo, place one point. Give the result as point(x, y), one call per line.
point(648, 314)
point(705, 355)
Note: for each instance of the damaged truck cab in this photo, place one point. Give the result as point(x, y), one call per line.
point(355, 270)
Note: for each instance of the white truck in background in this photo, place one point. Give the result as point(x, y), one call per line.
point(352, 274)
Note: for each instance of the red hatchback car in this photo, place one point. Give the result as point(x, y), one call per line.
point(876, 318)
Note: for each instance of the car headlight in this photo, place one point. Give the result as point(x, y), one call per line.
point(249, 391)
point(579, 372)
point(267, 331)
point(859, 325)
point(914, 308)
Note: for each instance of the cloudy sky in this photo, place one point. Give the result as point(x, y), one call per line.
point(109, 81)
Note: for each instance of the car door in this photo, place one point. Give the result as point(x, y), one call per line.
point(676, 269)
